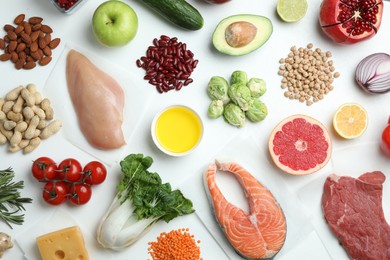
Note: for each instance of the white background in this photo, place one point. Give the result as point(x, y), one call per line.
point(75, 30)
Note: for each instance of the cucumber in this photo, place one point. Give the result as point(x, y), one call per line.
point(178, 12)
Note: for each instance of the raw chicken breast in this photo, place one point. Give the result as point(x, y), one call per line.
point(98, 101)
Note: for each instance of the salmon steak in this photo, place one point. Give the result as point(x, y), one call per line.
point(259, 234)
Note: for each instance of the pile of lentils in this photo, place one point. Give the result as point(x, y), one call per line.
point(308, 74)
point(177, 244)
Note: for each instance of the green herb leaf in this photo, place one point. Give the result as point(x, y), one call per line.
point(11, 203)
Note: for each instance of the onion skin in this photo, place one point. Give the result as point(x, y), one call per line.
point(367, 76)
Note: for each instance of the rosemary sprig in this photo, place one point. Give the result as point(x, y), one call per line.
point(11, 203)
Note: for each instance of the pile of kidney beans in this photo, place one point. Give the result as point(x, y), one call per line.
point(66, 4)
point(168, 64)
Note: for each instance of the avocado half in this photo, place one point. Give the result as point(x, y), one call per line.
point(241, 34)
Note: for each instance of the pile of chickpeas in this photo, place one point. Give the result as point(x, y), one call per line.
point(308, 74)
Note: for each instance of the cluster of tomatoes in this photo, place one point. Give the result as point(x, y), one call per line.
point(69, 180)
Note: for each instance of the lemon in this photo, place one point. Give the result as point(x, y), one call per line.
point(291, 10)
point(350, 120)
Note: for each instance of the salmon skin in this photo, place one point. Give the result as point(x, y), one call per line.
point(257, 235)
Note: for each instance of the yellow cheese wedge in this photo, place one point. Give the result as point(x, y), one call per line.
point(64, 244)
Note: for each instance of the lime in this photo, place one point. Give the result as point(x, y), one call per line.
point(291, 10)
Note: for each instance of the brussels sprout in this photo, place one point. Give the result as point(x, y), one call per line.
point(240, 95)
point(257, 111)
point(215, 109)
point(257, 87)
point(239, 77)
point(234, 115)
point(217, 89)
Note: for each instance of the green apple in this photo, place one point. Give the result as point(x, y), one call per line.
point(114, 23)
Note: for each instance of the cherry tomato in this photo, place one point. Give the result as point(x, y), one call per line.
point(44, 168)
point(55, 192)
point(95, 173)
point(385, 142)
point(80, 193)
point(70, 169)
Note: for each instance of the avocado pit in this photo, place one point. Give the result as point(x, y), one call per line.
point(239, 34)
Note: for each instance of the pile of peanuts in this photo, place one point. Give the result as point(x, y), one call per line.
point(308, 74)
point(28, 43)
point(25, 119)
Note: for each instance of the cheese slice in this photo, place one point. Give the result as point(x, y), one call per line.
point(64, 244)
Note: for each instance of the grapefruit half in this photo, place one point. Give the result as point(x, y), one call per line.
point(300, 145)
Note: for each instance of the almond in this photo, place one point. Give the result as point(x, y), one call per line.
point(47, 38)
point(45, 60)
point(14, 57)
point(23, 55)
point(12, 35)
point(27, 28)
point(25, 37)
point(12, 46)
point(29, 58)
point(2, 44)
point(8, 28)
point(35, 20)
point(29, 65)
point(34, 46)
point(35, 55)
point(19, 19)
point(34, 36)
point(47, 51)
point(5, 57)
point(41, 42)
point(40, 52)
point(21, 46)
point(19, 64)
point(19, 29)
point(54, 43)
point(46, 29)
point(36, 27)
point(6, 38)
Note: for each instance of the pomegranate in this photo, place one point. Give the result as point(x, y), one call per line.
point(300, 145)
point(350, 21)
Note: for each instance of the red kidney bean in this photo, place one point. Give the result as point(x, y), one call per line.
point(168, 64)
point(179, 85)
point(188, 81)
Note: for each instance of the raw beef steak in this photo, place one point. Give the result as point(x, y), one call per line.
point(353, 210)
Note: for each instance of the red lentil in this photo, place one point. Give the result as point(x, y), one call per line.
point(176, 245)
point(168, 64)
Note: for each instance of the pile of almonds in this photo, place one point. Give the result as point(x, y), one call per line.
point(25, 119)
point(28, 42)
point(308, 74)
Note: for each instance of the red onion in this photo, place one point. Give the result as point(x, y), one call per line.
point(373, 73)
